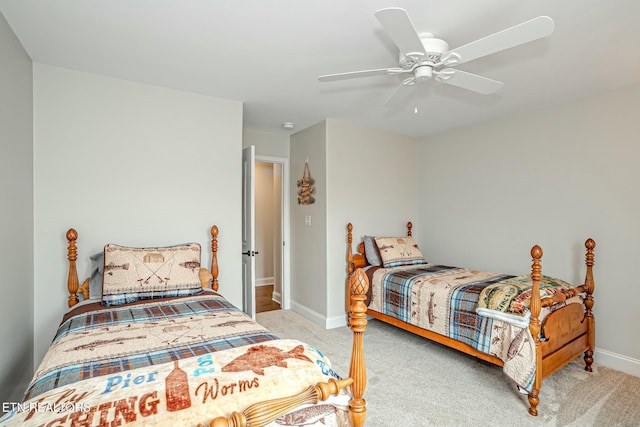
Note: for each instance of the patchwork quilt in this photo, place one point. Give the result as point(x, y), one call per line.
point(445, 300)
point(175, 362)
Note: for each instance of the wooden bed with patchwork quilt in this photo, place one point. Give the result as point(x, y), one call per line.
point(161, 347)
point(530, 325)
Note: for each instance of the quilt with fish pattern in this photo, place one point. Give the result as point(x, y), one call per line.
point(444, 299)
point(174, 362)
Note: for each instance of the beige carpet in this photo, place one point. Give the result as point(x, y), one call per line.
point(415, 382)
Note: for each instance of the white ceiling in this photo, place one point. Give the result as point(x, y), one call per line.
point(269, 53)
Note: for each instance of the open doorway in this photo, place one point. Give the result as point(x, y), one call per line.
point(270, 230)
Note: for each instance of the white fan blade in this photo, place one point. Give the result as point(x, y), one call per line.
point(528, 31)
point(401, 30)
point(469, 81)
point(364, 73)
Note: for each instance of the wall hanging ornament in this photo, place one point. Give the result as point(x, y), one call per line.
point(306, 187)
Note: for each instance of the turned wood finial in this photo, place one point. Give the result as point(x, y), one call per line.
point(214, 257)
point(359, 284)
point(72, 235)
point(349, 250)
point(409, 227)
point(72, 277)
point(590, 244)
point(536, 252)
point(350, 266)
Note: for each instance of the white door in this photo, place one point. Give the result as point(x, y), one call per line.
point(248, 232)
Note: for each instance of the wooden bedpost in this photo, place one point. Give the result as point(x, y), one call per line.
point(72, 277)
point(534, 326)
point(214, 257)
point(409, 227)
point(589, 283)
point(349, 267)
point(359, 285)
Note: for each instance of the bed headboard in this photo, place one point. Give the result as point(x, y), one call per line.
point(358, 259)
point(73, 286)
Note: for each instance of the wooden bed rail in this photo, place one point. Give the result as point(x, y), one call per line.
point(262, 413)
point(74, 288)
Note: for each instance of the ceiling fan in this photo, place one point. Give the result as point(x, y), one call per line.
point(422, 56)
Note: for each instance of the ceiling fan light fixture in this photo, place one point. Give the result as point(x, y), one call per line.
point(423, 72)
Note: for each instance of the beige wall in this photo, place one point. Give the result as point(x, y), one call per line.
point(372, 181)
point(551, 177)
point(267, 144)
point(132, 164)
point(16, 215)
point(340, 155)
point(308, 243)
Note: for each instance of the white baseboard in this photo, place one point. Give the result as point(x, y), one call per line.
point(262, 281)
point(616, 361)
point(336, 321)
point(317, 318)
point(308, 314)
point(277, 297)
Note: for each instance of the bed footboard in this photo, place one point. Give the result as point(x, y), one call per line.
point(568, 331)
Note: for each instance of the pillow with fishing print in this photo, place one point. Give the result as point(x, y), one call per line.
point(132, 274)
point(396, 251)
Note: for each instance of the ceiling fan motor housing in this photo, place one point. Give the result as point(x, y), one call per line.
point(433, 50)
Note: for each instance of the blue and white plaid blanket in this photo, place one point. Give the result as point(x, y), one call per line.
point(444, 299)
point(116, 339)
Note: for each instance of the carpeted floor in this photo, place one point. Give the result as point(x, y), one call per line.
point(415, 382)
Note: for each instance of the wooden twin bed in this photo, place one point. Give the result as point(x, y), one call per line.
point(553, 322)
point(184, 356)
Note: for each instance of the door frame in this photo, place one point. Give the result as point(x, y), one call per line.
point(285, 258)
point(248, 231)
